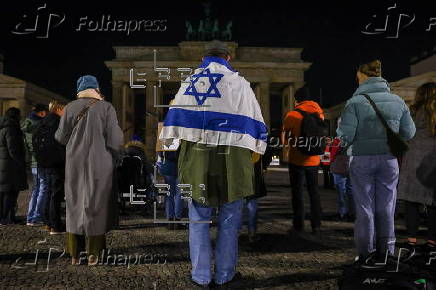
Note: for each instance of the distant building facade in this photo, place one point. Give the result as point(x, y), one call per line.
point(21, 94)
point(422, 70)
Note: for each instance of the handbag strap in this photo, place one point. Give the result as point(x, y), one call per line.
point(377, 111)
point(84, 111)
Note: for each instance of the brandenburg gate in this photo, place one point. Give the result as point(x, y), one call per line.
point(274, 73)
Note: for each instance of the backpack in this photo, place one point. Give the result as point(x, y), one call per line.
point(314, 131)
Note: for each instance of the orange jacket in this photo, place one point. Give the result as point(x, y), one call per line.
point(292, 124)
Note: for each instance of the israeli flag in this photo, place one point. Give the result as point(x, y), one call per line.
point(216, 106)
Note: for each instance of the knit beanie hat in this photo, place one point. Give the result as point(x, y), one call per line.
point(87, 82)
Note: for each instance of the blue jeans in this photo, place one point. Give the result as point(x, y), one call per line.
point(54, 179)
point(345, 197)
point(374, 180)
point(226, 251)
point(173, 202)
point(251, 204)
point(38, 199)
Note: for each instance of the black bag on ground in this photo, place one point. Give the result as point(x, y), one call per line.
point(358, 279)
point(397, 145)
point(313, 133)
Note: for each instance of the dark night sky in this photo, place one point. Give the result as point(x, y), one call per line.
point(330, 34)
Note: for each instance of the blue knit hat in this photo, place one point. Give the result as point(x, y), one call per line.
point(136, 138)
point(87, 82)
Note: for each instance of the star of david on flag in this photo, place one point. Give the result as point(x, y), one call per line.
point(200, 92)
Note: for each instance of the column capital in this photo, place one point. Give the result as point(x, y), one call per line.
point(298, 85)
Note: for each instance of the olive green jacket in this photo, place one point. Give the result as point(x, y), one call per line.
point(28, 127)
point(217, 174)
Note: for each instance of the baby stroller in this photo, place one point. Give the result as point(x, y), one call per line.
point(135, 179)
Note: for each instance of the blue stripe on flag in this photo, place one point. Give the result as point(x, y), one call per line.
point(208, 59)
point(216, 121)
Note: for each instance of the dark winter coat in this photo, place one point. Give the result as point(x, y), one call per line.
point(422, 146)
point(50, 154)
point(259, 178)
point(12, 156)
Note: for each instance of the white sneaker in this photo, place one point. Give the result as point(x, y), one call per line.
point(38, 224)
point(56, 232)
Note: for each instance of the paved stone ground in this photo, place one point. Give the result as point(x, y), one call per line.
point(277, 261)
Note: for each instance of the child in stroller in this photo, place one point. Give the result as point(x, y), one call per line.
point(136, 171)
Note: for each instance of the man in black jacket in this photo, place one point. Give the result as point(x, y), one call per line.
point(38, 197)
point(50, 157)
point(12, 164)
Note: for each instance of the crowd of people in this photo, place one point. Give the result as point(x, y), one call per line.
point(72, 151)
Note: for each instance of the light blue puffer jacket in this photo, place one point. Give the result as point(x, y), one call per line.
point(360, 125)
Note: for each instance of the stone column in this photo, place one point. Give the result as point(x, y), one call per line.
point(24, 107)
point(151, 120)
point(287, 99)
point(262, 95)
point(123, 107)
point(117, 100)
point(128, 111)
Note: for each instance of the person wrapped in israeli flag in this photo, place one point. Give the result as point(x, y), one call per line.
point(219, 124)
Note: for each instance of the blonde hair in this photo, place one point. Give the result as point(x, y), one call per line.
point(55, 105)
point(425, 98)
point(371, 69)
